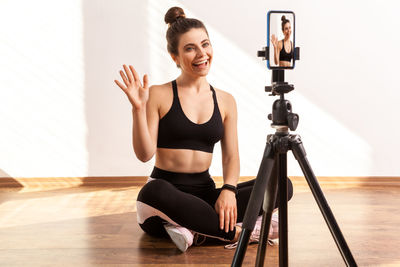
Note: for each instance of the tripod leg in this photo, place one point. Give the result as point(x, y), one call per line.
point(268, 206)
point(283, 211)
point(255, 201)
point(300, 155)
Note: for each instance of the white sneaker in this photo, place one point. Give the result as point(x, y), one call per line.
point(273, 233)
point(181, 236)
point(274, 229)
point(255, 234)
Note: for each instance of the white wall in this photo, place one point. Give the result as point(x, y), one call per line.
point(62, 115)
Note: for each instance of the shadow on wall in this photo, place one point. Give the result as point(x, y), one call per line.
point(109, 28)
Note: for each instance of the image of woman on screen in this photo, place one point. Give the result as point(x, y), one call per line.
point(283, 49)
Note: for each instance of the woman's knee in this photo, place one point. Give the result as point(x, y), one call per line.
point(154, 226)
point(153, 189)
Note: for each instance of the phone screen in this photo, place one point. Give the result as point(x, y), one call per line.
point(281, 39)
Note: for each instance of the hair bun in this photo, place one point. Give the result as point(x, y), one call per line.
point(173, 14)
point(283, 18)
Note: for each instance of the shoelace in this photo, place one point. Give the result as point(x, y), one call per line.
point(234, 245)
point(199, 239)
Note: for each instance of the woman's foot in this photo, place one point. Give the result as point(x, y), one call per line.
point(237, 234)
point(255, 234)
point(274, 229)
point(199, 239)
point(181, 236)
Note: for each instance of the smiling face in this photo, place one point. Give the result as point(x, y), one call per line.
point(195, 52)
point(287, 30)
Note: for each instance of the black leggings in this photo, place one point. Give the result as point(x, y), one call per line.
point(188, 199)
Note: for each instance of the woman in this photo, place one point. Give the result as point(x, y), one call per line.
point(283, 48)
point(180, 121)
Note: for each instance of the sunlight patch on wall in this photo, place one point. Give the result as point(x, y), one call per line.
point(42, 89)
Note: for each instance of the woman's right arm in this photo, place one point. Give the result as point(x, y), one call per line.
point(145, 128)
point(144, 113)
point(275, 43)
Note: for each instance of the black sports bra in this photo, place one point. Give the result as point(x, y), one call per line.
point(175, 130)
point(285, 56)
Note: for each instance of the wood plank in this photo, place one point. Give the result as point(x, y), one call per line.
point(122, 181)
point(87, 226)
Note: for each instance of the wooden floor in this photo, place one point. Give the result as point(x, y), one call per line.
point(93, 226)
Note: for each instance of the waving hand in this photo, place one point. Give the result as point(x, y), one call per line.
point(137, 93)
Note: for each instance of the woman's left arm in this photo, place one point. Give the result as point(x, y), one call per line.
point(226, 202)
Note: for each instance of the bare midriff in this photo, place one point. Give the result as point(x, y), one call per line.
point(283, 63)
point(182, 160)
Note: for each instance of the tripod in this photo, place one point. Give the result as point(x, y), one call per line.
point(272, 175)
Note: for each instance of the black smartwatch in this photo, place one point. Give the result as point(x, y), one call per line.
point(230, 188)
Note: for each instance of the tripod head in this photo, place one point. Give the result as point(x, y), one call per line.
point(279, 86)
point(282, 116)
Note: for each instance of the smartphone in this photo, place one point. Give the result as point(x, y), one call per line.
point(281, 39)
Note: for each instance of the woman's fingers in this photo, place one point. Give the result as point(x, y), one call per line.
point(120, 85)
point(233, 220)
point(135, 74)
point(129, 74)
point(221, 218)
point(273, 39)
point(227, 218)
point(145, 81)
point(227, 221)
point(127, 83)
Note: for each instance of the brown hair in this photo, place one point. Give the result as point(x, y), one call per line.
point(284, 21)
point(178, 24)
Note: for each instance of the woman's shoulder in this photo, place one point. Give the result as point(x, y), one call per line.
point(223, 95)
point(159, 88)
point(160, 91)
point(226, 101)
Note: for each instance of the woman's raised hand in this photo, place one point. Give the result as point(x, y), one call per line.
point(137, 93)
point(274, 40)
